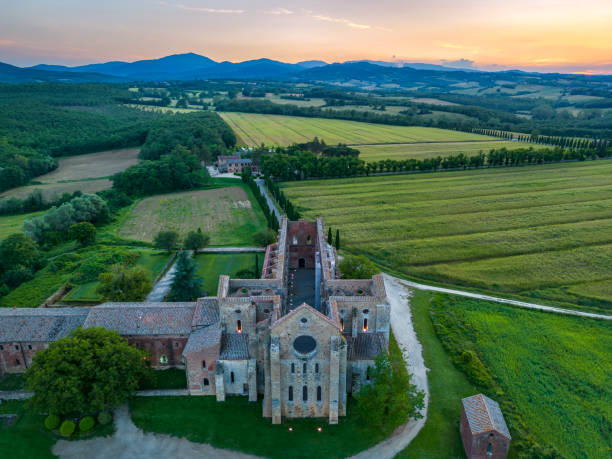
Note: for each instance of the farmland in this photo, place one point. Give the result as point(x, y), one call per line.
point(87, 173)
point(212, 265)
point(226, 214)
point(255, 129)
point(370, 153)
point(541, 231)
point(549, 372)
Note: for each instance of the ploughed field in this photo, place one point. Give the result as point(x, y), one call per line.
point(254, 129)
point(540, 231)
point(226, 214)
point(88, 173)
point(371, 153)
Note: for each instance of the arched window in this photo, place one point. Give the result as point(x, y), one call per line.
point(293, 368)
point(204, 364)
point(294, 240)
point(309, 240)
point(490, 449)
point(368, 374)
point(239, 326)
point(318, 393)
point(316, 367)
point(232, 378)
point(305, 393)
point(342, 323)
point(304, 368)
point(206, 383)
point(365, 324)
point(163, 359)
point(290, 397)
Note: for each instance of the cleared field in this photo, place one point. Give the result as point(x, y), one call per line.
point(226, 214)
point(83, 172)
point(545, 369)
point(255, 129)
point(542, 231)
point(212, 265)
point(370, 153)
point(10, 224)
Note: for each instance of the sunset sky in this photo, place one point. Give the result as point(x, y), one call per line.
point(542, 35)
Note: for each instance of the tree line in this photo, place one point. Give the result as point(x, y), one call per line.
point(286, 164)
point(261, 199)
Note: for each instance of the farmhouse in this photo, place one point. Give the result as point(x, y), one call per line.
point(299, 336)
point(483, 429)
point(235, 164)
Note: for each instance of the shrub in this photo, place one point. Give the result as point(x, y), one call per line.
point(86, 424)
point(265, 237)
point(104, 418)
point(67, 428)
point(51, 422)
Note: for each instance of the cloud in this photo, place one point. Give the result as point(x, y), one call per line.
point(459, 63)
point(202, 10)
point(6, 42)
point(279, 12)
point(452, 46)
point(346, 22)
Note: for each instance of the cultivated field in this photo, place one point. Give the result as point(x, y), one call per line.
point(372, 153)
point(87, 173)
point(549, 370)
point(10, 224)
point(543, 231)
point(212, 265)
point(255, 129)
point(226, 214)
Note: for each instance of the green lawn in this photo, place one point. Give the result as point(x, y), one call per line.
point(540, 231)
point(10, 224)
point(440, 437)
point(238, 425)
point(550, 373)
point(430, 150)
point(255, 129)
point(172, 378)
point(27, 438)
point(212, 265)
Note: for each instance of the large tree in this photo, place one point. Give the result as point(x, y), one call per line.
point(196, 240)
point(166, 240)
point(187, 285)
point(391, 399)
point(89, 371)
point(83, 232)
point(124, 283)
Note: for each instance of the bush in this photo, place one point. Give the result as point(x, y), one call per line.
point(67, 428)
point(104, 418)
point(86, 424)
point(264, 237)
point(51, 422)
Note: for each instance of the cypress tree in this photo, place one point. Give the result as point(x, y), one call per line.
point(329, 236)
point(186, 285)
point(256, 266)
point(337, 239)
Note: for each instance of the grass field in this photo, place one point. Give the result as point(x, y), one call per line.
point(226, 214)
point(372, 153)
point(83, 172)
point(212, 265)
point(541, 231)
point(10, 224)
point(550, 373)
point(255, 129)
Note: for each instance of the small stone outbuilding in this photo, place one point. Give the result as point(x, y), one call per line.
point(483, 429)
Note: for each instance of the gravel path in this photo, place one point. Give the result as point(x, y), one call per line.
point(271, 205)
point(403, 330)
point(129, 442)
point(163, 286)
point(521, 304)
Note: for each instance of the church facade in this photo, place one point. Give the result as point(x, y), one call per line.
point(300, 337)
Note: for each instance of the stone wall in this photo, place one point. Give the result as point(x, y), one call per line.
point(476, 446)
point(158, 346)
point(198, 373)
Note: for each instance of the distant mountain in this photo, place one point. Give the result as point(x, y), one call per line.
point(412, 65)
point(11, 74)
point(311, 64)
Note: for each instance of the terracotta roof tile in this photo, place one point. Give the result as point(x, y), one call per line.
point(39, 324)
point(484, 415)
point(234, 346)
